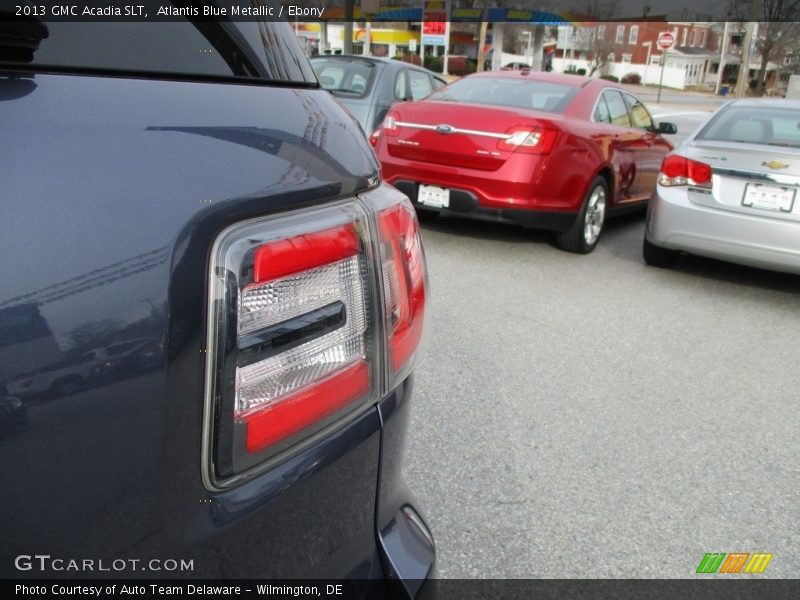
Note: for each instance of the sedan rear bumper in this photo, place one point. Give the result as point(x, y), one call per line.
point(677, 223)
point(467, 204)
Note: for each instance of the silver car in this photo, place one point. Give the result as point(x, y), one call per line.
point(732, 190)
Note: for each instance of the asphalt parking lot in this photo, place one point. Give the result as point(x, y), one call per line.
point(588, 416)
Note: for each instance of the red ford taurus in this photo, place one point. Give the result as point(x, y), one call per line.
point(556, 152)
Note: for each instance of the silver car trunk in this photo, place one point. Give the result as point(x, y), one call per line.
point(751, 178)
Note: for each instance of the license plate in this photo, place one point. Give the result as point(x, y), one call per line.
point(430, 195)
point(768, 197)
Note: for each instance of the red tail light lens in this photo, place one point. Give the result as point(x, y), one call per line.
point(295, 307)
point(404, 279)
point(373, 139)
point(274, 396)
point(530, 140)
point(390, 124)
point(679, 170)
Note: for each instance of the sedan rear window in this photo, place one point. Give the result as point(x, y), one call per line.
point(345, 77)
point(515, 93)
point(769, 125)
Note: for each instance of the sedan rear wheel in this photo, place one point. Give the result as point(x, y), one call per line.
point(584, 233)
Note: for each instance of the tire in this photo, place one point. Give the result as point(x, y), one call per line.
point(656, 256)
point(583, 235)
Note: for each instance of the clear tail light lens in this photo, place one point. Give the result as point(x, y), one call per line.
point(528, 139)
point(306, 287)
point(296, 307)
point(679, 170)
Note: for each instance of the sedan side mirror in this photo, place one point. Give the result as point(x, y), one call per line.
point(668, 128)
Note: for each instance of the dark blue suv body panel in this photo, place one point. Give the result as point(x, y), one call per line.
point(113, 190)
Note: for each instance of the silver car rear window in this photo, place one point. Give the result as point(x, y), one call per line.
point(772, 126)
point(345, 77)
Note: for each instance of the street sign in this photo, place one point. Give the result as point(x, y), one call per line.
point(434, 26)
point(412, 46)
point(665, 40)
point(433, 31)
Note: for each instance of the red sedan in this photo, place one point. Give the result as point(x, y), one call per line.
point(556, 152)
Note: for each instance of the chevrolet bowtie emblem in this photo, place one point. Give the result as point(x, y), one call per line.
point(774, 164)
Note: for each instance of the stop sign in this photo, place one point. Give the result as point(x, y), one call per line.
point(665, 40)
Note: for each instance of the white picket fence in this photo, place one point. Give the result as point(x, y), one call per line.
point(650, 74)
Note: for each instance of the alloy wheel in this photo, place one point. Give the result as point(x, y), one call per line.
point(595, 215)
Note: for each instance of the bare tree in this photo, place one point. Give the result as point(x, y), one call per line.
point(597, 38)
point(777, 29)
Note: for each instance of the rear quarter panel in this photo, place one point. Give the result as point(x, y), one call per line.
point(112, 192)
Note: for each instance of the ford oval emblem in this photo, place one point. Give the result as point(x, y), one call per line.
point(444, 129)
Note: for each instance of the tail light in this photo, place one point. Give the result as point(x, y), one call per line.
point(297, 305)
point(373, 139)
point(390, 125)
point(679, 170)
point(404, 283)
point(530, 140)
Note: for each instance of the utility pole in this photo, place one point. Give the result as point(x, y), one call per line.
point(725, 37)
point(647, 64)
point(348, 26)
point(482, 36)
point(743, 81)
point(446, 39)
point(323, 37)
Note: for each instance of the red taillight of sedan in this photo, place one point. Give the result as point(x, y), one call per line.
point(390, 125)
point(313, 317)
point(530, 140)
point(678, 170)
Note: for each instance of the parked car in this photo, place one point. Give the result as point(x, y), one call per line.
point(731, 191)
point(545, 151)
point(184, 195)
point(60, 379)
point(368, 86)
point(515, 66)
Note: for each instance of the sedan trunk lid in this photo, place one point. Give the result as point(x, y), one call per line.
point(457, 134)
point(752, 178)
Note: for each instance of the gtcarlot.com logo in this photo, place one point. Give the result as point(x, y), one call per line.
point(47, 563)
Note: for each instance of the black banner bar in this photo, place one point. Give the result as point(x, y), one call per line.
point(730, 588)
point(568, 12)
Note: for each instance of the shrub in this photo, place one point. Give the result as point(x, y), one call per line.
point(458, 65)
point(434, 63)
point(412, 59)
point(581, 71)
point(632, 78)
point(613, 78)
